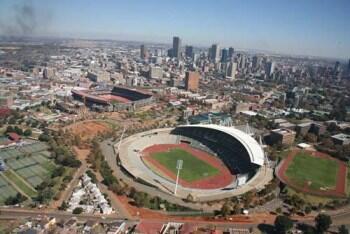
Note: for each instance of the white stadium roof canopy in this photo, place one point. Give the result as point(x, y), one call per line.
point(255, 151)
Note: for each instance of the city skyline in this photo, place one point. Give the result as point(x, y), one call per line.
point(315, 28)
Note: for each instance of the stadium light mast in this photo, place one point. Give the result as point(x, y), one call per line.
point(121, 138)
point(179, 165)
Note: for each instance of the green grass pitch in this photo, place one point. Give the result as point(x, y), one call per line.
point(320, 172)
point(193, 168)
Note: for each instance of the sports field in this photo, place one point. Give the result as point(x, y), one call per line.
point(316, 172)
point(193, 168)
point(27, 166)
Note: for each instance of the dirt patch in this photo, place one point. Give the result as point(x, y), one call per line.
point(88, 129)
point(81, 154)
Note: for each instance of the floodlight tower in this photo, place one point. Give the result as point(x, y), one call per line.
point(179, 165)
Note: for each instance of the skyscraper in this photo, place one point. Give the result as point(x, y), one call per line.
point(143, 52)
point(214, 53)
point(192, 81)
point(224, 55)
point(349, 65)
point(176, 47)
point(270, 67)
point(231, 70)
point(189, 51)
point(231, 51)
point(256, 62)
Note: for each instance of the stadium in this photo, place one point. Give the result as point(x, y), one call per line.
point(216, 161)
point(116, 99)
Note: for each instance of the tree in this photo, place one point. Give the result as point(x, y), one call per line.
point(44, 137)
point(78, 210)
point(307, 209)
point(323, 222)
point(343, 230)
point(283, 224)
point(27, 132)
point(226, 209)
point(18, 130)
point(63, 206)
point(9, 129)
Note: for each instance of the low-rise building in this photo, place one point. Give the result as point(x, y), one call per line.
point(282, 136)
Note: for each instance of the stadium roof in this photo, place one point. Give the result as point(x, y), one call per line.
point(255, 151)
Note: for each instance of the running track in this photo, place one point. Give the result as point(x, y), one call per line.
point(222, 179)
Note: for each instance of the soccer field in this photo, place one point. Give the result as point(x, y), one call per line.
point(314, 172)
point(193, 168)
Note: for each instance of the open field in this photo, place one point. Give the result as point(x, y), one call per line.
point(6, 189)
point(318, 173)
point(89, 129)
point(193, 168)
point(18, 181)
point(314, 173)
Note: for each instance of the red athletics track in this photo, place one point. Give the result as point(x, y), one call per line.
point(222, 179)
point(340, 188)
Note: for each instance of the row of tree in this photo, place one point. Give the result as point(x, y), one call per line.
point(322, 223)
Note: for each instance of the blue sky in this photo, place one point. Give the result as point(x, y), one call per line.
point(306, 27)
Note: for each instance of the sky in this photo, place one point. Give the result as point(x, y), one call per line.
point(299, 27)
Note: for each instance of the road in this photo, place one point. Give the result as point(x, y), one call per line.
point(15, 213)
point(71, 185)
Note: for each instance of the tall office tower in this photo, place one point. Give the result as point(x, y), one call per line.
point(255, 62)
point(189, 51)
point(241, 61)
point(270, 67)
point(143, 52)
point(349, 65)
point(231, 70)
point(231, 51)
point(337, 67)
point(224, 55)
point(192, 81)
point(214, 53)
point(176, 47)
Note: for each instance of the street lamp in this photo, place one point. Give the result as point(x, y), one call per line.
point(179, 165)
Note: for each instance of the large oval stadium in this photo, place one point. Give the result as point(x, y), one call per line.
point(114, 99)
point(207, 162)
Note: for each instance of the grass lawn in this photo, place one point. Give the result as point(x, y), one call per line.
point(20, 184)
point(193, 168)
point(319, 171)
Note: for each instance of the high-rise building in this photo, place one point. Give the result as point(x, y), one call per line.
point(156, 72)
point(231, 51)
point(255, 62)
point(337, 67)
point(270, 68)
point(349, 65)
point(214, 53)
point(176, 47)
point(189, 51)
point(224, 55)
point(143, 52)
point(231, 70)
point(192, 81)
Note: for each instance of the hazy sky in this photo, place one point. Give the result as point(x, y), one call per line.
point(306, 27)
